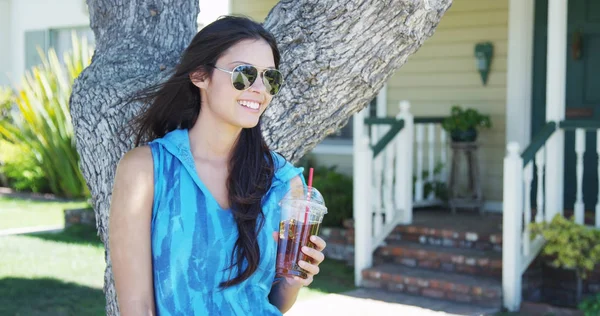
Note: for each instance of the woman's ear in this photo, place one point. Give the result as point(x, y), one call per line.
point(199, 78)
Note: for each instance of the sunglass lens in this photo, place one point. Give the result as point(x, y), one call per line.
point(243, 77)
point(273, 81)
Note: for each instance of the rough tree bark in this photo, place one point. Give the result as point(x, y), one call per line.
point(337, 54)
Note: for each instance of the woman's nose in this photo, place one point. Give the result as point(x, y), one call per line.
point(258, 85)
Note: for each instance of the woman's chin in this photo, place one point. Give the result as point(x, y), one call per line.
point(248, 123)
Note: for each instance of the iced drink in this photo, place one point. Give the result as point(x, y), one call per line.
point(301, 218)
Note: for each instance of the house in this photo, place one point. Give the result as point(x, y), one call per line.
point(28, 24)
point(542, 94)
point(442, 73)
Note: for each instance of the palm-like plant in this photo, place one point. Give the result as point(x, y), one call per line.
point(42, 126)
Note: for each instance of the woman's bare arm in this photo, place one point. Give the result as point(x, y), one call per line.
point(129, 232)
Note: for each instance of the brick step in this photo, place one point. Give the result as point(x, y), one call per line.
point(447, 237)
point(479, 290)
point(467, 261)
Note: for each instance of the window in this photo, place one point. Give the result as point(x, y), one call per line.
point(59, 39)
point(340, 143)
point(345, 133)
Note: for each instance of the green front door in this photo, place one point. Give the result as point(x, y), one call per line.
point(583, 89)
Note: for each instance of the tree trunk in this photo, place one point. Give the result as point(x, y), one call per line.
point(337, 55)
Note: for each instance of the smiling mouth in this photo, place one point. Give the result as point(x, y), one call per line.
point(249, 104)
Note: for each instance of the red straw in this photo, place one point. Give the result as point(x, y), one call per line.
point(310, 180)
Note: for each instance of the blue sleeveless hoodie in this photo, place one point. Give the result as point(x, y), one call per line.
point(193, 238)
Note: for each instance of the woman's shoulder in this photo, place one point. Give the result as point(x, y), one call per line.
point(136, 164)
point(285, 171)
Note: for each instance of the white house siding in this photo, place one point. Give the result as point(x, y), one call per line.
point(4, 41)
point(255, 9)
point(40, 15)
point(210, 10)
point(443, 73)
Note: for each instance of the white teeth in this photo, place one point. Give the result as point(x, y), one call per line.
point(250, 104)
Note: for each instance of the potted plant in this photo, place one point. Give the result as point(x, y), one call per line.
point(570, 246)
point(462, 124)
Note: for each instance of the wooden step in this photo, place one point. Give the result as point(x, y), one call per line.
point(447, 237)
point(467, 261)
point(483, 291)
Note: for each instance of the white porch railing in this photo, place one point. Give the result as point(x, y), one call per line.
point(383, 176)
point(431, 139)
point(519, 247)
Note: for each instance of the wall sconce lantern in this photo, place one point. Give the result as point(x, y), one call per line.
point(483, 57)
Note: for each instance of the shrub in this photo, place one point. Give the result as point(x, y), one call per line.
point(570, 246)
point(7, 98)
point(336, 189)
point(439, 188)
point(20, 168)
point(590, 306)
point(42, 127)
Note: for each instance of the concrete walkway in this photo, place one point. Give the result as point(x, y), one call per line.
point(31, 230)
point(9, 193)
point(376, 302)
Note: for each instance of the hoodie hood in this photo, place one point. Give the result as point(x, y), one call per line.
point(177, 142)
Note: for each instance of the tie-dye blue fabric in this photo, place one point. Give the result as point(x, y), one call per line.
point(193, 238)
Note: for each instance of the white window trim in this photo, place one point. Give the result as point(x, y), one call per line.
point(345, 147)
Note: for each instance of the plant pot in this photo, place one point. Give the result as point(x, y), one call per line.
point(469, 135)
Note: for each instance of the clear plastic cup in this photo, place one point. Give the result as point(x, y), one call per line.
point(301, 218)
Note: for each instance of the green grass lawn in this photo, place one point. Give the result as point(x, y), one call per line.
point(63, 273)
point(20, 213)
point(52, 274)
point(335, 277)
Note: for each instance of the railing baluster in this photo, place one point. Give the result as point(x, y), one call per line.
point(598, 200)
point(431, 140)
point(419, 182)
point(399, 171)
point(527, 177)
point(389, 181)
point(540, 162)
point(377, 209)
point(579, 151)
point(443, 157)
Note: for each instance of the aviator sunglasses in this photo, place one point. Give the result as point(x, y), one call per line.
point(244, 76)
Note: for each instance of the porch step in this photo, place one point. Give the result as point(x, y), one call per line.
point(466, 238)
point(467, 261)
point(479, 290)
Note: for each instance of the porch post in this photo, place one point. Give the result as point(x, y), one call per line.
point(362, 208)
point(519, 71)
point(404, 165)
point(512, 227)
point(556, 79)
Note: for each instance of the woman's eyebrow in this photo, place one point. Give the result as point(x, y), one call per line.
point(247, 63)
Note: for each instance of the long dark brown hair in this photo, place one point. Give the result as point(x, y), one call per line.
point(176, 103)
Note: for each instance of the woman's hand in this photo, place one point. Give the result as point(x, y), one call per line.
point(315, 256)
point(285, 291)
point(311, 266)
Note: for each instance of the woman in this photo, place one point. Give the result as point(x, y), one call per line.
point(194, 215)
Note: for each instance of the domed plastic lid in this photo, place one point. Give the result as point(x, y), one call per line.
point(302, 194)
